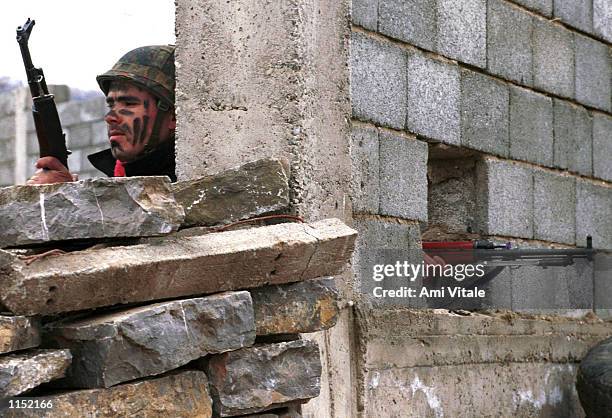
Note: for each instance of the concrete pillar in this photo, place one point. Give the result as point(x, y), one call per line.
point(21, 152)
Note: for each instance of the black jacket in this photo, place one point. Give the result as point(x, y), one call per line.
point(157, 163)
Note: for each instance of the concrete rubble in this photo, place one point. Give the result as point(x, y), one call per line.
point(264, 377)
point(93, 208)
point(18, 333)
point(153, 339)
point(24, 371)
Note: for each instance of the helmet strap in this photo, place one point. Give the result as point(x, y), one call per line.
point(162, 109)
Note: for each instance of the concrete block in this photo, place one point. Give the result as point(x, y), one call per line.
point(509, 50)
point(74, 113)
point(7, 150)
point(602, 146)
point(553, 58)
point(504, 198)
point(79, 136)
point(593, 72)
point(576, 13)
point(32, 143)
point(602, 19)
point(365, 13)
point(7, 103)
point(378, 81)
point(365, 163)
point(61, 92)
point(485, 113)
point(18, 333)
point(99, 134)
point(531, 126)
point(543, 7)
point(593, 214)
point(7, 127)
point(554, 207)
point(75, 160)
point(6, 174)
point(462, 30)
point(29, 369)
point(403, 177)
point(433, 99)
point(572, 144)
point(413, 22)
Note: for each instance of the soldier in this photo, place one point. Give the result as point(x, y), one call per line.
point(140, 121)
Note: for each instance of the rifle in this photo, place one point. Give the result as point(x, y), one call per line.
point(51, 139)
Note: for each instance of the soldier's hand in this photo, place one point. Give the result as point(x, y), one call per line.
point(50, 170)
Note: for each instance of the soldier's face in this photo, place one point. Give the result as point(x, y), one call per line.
point(130, 118)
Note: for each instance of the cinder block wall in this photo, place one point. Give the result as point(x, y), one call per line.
point(83, 125)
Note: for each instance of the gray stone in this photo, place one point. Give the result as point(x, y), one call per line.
point(554, 207)
point(182, 394)
point(365, 162)
point(79, 136)
point(531, 126)
point(100, 208)
point(378, 81)
point(263, 377)
point(593, 72)
point(602, 146)
point(593, 214)
point(409, 21)
point(553, 58)
point(509, 49)
point(24, 371)
point(18, 333)
point(32, 146)
point(149, 340)
point(61, 92)
point(7, 127)
point(253, 189)
point(187, 266)
point(602, 19)
point(505, 198)
point(6, 174)
point(403, 177)
point(7, 150)
point(484, 113)
point(462, 30)
point(74, 113)
point(99, 133)
point(365, 13)
point(7, 103)
point(433, 99)
point(295, 308)
point(573, 144)
point(576, 13)
point(544, 7)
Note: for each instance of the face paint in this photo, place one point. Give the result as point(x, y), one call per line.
point(137, 132)
point(125, 112)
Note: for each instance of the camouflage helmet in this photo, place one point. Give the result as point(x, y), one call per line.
point(150, 67)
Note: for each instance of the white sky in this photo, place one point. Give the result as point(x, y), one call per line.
point(73, 41)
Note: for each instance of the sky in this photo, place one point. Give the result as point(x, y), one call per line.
point(73, 41)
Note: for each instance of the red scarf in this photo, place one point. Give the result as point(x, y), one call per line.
point(119, 169)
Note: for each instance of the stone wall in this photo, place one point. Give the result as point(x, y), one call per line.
point(82, 122)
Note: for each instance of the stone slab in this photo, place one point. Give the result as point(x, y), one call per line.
point(18, 333)
point(531, 126)
point(182, 395)
point(593, 213)
point(462, 30)
point(365, 13)
point(573, 144)
point(378, 81)
point(576, 13)
point(593, 72)
point(433, 99)
point(365, 162)
point(94, 208)
point(553, 58)
point(150, 340)
point(602, 17)
point(543, 7)
point(296, 308)
point(264, 377)
point(75, 112)
point(187, 266)
point(403, 177)
point(413, 22)
point(554, 207)
point(251, 190)
point(24, 371)
point(602, 146)
point(485, 113)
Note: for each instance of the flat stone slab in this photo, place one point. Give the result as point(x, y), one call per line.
point(181, 395)
point(24, 371)
point(151, 340)
point(175, 268)
point(253, 189)
point(264, 377)
point(295, 308)
point(92, 208)
point(18, 333)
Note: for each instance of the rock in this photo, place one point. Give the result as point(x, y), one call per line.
point(150, 340)
point(295, 308)
point(264, 377)
point(18, 333)
point(254, 189)
point(93, 208)
point(24, 371)
point(181, 267)
point(178, 395)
